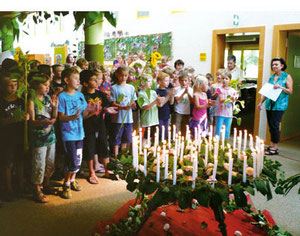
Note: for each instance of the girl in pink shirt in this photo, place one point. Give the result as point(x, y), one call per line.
point(201, 103)
point(224, 110)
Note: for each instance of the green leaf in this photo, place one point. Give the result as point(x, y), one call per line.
point(153, 87)
point(203, 225)
point(120, 98)
point(34, 19)
point(18, 114)
point(239, 121)
point(148, 92)
point(16, 76)
point(227, 100)
point(20, 90)
point(140, 101)
point(110, 18)
point(239, 195)
point(242, 104)
point(250, 190)
point(279, 190)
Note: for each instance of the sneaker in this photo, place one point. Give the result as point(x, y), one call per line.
point(67, 194)
point(75, 186)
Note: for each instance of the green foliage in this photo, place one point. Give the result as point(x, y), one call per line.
point(120, 98)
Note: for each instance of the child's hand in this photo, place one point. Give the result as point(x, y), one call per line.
point(54, 101)
point(172, 92)
point(77, 115)
point(133, 106)
point(112, 110)
point(211, 102)
point(160, 100)
point(50, 121)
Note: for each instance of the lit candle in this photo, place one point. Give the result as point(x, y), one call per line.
point(223, 136)
point(169, 137)
point(258, 157)
point(215, 172)
point(250, 141)
point(164, 153)
point(245, 140)
point(155, 144)
point(262, 149)
point(148, 137)
point(174, 131)
point(163, 133)
point(145, 161)
point(254, 163)
point(234, 138)
point(239, 144)
point(174, 170)
point(206, 153)
point(199, 145)
point(245, 167)
point(166, 166)
point(195, 169)
point(182, 149)
point(186, 132)
point(175, 148)
point(196, 134)
point(230, 168)
point(158, 165)
point(134, 150)
point(216, 145)
point(141, 140)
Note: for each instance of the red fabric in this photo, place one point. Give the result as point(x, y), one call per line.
point(189, 222)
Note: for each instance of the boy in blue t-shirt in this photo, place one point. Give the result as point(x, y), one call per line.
point(70, 112)
point(122, 134)
point(164, 109)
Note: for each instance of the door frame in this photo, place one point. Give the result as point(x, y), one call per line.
point(218, 51)
point(279, 49)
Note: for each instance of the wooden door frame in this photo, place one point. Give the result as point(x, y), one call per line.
point(218, 51)
point(279, 49)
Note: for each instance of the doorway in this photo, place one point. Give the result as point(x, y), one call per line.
point(248, 45)
point(286, 44)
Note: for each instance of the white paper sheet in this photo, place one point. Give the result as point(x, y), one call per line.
point(268, 91)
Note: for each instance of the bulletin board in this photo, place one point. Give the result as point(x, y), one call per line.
point(135, 44)
point(60, 54)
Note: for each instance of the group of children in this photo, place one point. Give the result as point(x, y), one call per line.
point(90, 112)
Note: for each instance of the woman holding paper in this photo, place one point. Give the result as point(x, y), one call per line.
point(275, 109)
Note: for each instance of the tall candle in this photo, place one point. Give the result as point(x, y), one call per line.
point(223, 136)
point(245, 140)
point(215, 172)
point(245, 167)
point(164, 153)
point(166, 166)
point(155, 144)
point(250, 141)
point(262, 157)
point(230, 168)
point(186, 132)
point(174, 131)
point(210, 138)
point(258, 158)
point(145, 161)
point(196, 134)
point(169, 137)
point(141, 140)
point(175, 148)
point(158, 165)
point(239, 144)
point(206, 153)
point(148, 137)
point(199, 145)
point(182, 149)
point(234, 138)
point(254, 163)
point(163, 133)
point(195, 168)
point(174, 170)
point(216, 147)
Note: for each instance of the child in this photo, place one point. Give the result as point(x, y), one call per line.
point(43, 136)
point(210, 117)
point(57, 84)
point(149, 111)
point(201, 103)
point(122, 133)
point(164, 111)
point(224, 110)
point(11, 134)
point(105, 86)
point(214, 87)
point(178, 65)
point(70, 112)
point(82, 63)
point(95, 141)
point(183, 100)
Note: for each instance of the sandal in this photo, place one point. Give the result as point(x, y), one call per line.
point(93, 180)
point(40, 197)
point(271, 152)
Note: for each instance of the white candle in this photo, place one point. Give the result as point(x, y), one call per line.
point(196, 134)
point(216, 145)
point(262, 149)
point(148, 137)
point(174, 170)
point(164, 153)
point(206, 153)
point(258, 162)
point(195, 169)
point(163, 133)
point(166, 166)
point(257, 142)
point(215, 172)
point(169, 137)
point(175, 148)
point(230, 168)
point(158, 165)
point(250, 141)
point(155, 144)
point(223, 136)
point(239, 144)
point(199, 145)
point(234, 138)
point(182, 149)
point(245, 140)
point(254, 163)
point(141, 140)
point(174, 131)
point(245, 167)
point(145, 161)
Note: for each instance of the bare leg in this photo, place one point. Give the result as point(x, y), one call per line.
point(91, 168)
point(105, 161)
point(123, 146)
point(116, 151)
point(96, 162)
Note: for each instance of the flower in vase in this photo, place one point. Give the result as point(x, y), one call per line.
point(226, 166)
point(179, 172)
point(154, 168)
point(155, 161)
point(242, 157)
point(234, 173)
point(249, 171)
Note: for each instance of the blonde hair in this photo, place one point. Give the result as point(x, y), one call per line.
point(227, 74)
point(161, 76)
point(200, 79)
point(220, 71)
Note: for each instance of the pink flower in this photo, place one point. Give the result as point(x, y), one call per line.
point(179, 172)
point(209, 170)
point(249, 171)
point(226, 166)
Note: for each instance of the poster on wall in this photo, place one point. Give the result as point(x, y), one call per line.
point(135, 44)
point(60, 54)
